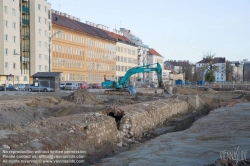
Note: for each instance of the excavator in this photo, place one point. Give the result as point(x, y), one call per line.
point(122, 87)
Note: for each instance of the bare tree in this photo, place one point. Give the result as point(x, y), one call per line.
point(198, 75)
point(229, 71)
point(188, 72)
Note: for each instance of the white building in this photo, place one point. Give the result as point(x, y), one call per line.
point(143, 51)
point(155, 57)
point(220, 63)
point(237, 68)
point(126, 54)
point(26, 23)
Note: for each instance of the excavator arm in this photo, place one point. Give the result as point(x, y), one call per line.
point(119, 87)
point(141, 69)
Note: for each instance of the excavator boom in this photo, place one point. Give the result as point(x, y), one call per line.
point(121, 86)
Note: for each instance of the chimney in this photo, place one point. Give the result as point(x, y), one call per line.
point(99, 26)
point(61, 13)
point(53, 11)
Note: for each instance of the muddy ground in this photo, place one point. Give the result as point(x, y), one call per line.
point(17, 113)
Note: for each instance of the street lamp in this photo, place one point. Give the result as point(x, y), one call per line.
point(57, 32)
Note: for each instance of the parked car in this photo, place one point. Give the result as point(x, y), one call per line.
point(90, 86)
point(9, 87)
point(71, 86)
point(40, 88)
point(21, 87)
point(2, 88)
point(84, 85)
point(94, 86)
point(99, 86)
point(62, 86)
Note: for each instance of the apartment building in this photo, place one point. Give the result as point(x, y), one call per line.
point(126, 54)
point(155, 57)
point(220, 63)
point(25, 44)
point(10, 45)
point(83, 52)
point(143, 52)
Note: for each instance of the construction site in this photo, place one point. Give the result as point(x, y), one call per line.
point(117, 129)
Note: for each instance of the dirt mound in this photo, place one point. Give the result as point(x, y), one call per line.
point(220, 162)
point(83, 96)
point(44, 101)
point(192, 91)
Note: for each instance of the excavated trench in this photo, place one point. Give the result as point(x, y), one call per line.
point(103, 130)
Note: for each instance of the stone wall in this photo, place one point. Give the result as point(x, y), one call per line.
point(138, 119)
point(143, 117)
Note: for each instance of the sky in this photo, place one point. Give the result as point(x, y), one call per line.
point(177, 29)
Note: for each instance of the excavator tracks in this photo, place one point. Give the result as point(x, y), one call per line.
point(117, 92)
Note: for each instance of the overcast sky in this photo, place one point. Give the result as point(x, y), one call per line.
point(177, 29)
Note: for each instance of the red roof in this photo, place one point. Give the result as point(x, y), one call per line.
point(153, 52)
point(114, 35)
point(169, 68)
point(119, 38)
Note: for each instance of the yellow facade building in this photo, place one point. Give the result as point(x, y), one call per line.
point(82, 52)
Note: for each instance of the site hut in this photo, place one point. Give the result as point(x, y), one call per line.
point(48, 79)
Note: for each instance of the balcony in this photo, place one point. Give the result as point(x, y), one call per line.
point(25, 10)
point(25, 22)
point(25, 36)
point(26, 48)
point(24, 59)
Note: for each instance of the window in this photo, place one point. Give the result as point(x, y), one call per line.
point(45, 21)
point(39, 31)
point(6, 65)
point(5, 37)
point(5, 23)
point(39, 19)
point(25, 78)
point(6, 51)
point(13, 25)
point(40, 56)
point(39, 7)
point(5, 9)
point(45, 56)
point(13, 12)
point(45, 33)
point(45, 68)
point(49, 14)
point(39, 43)
point(14, 65)
point(14, 39)
point(16, 78)
point(14, 52)
point(40, 67)
point(45, 9)
point(49, 25)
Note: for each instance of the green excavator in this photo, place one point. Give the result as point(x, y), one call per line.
point(122, 87)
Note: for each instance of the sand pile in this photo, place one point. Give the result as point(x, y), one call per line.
point(83, 96)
